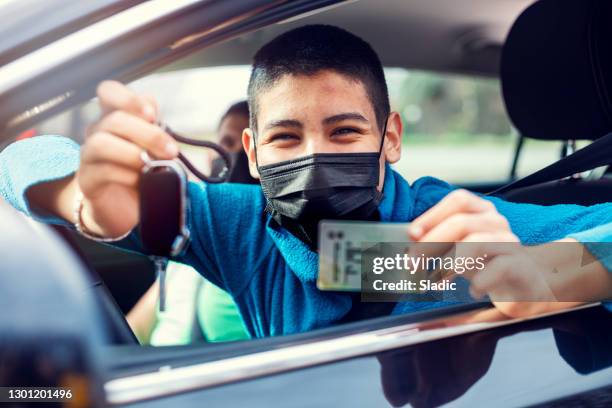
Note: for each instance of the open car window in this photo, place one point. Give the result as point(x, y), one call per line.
point(456, 129)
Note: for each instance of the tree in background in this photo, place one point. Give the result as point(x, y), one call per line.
point(435, 106)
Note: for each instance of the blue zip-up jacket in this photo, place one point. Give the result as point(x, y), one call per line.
point(270, 273)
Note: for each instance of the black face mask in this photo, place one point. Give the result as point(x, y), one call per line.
point(338, 186)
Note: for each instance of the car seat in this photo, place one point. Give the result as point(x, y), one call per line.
point(556, 76)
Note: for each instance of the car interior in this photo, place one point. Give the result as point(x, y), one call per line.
point(471, 39)
point(534, 100)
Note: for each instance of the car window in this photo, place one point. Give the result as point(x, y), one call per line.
point(455, 129)
point(536, 154)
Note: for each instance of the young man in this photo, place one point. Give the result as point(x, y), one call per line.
point(321, 139)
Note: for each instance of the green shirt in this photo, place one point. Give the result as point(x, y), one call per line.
point(189, 296)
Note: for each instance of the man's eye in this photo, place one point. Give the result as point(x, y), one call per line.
point(282, 137)
point(345, 131)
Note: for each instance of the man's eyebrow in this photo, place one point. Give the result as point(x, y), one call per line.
point(345, 116)
point(291, 123)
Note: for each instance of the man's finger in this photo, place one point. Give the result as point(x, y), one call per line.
point(492, 237)
point(114, 96)
point(491, 278)
point(458, 201)
point(104, 147)
point(102, 174)
point(458, 226)
point(485, 247)
point(140, 132)
point(152, 110)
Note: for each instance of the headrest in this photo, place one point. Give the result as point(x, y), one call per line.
point(556, 70)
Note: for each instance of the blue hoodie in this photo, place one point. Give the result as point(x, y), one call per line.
point(270, 273)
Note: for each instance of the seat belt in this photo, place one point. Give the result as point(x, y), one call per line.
point(597, 154)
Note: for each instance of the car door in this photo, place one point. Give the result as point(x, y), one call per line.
point(457, 357)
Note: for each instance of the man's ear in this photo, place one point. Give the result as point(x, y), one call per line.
point(248, 143)
point(392, 148)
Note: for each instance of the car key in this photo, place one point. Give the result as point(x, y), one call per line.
point(160, 273)
point(163, 204)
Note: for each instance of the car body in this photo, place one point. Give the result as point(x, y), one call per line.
point(464, 355)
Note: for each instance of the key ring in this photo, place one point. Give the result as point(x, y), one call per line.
point(223, 176)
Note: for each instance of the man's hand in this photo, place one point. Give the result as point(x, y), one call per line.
point(111, 163)
point(462, 217)
point(111, 158)
point(517, 282)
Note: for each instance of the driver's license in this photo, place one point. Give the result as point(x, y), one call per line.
point(340, 247)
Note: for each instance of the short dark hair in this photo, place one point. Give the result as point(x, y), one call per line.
point(310, 49)
point(238, 108)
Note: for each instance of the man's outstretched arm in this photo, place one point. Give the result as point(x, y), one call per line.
point(105, 170)
point(525, 279)
point(43, 176)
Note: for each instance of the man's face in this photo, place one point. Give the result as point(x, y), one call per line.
point(230, 132)
point(322, 113)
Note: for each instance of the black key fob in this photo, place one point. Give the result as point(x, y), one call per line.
point(163, 206)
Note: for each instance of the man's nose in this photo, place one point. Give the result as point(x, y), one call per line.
point(317, 144)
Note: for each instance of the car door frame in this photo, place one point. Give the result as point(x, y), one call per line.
point(126, 46)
